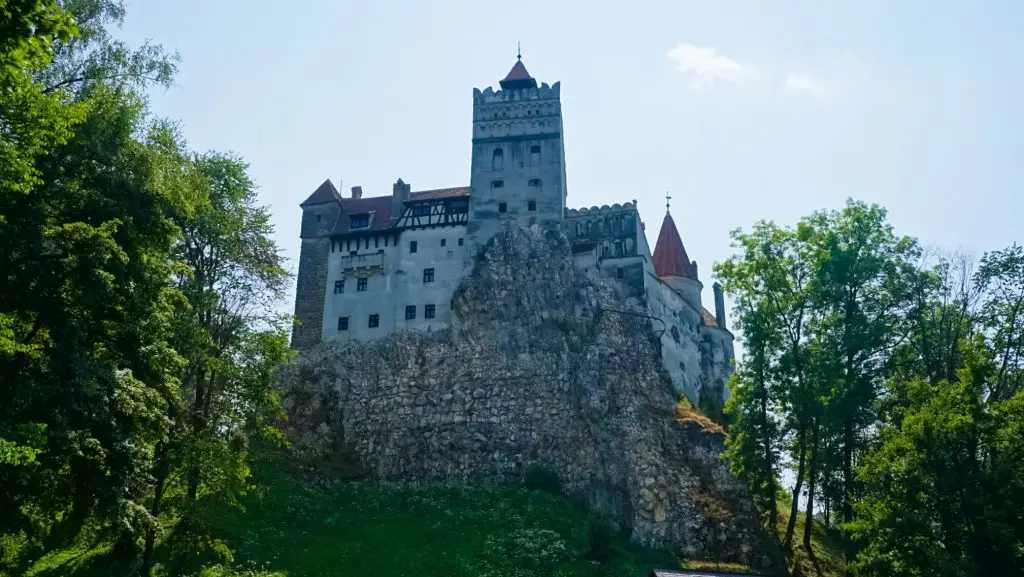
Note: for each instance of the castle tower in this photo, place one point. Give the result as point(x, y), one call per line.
point(320, 212)
point(673, 266)
point(518, 160)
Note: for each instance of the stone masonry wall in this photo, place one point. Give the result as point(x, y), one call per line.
point(532, 371)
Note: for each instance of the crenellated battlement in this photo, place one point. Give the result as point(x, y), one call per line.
point(603, 210)
point(491, 96)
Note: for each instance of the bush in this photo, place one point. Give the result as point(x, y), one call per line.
point(541, 478)
point(602, 535)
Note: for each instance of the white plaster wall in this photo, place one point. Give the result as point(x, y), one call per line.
point(681, 359)
point(398, 285)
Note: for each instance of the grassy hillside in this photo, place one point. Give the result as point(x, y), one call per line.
point(826, 556)
point(301, 531)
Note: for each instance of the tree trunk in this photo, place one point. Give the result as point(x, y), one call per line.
point(812, 478)
point(848, 480)
point(795, 507)
point(163, 469)
point(773, 508)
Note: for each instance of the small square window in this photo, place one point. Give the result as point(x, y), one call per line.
point(361, 285)
point(460, 242)
point(353, 253)
point(428, 275)
point(531, 205)
point(535, 182)
point(444, 242)
point(374, 321)
point(412, 247)
point(502, 207)
point(339, 286)
point(342, 323)
point(428, 311)
point(497, 184)
point(410, 312)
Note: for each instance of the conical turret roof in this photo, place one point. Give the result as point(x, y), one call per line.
point(670, 258)
point(518, 77)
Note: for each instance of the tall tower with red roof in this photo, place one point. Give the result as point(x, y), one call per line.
point(518, 160)
point(673, 265)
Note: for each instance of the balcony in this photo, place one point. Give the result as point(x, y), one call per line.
point(363, 263)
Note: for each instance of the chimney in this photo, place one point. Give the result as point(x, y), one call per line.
point(719, 306)
point(357, 192)
point(399, 194)
point(693, 265)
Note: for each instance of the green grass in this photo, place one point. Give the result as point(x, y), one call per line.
point(357, 529)
point(826, 558)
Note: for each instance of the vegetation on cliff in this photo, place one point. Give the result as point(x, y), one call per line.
point(139, 344)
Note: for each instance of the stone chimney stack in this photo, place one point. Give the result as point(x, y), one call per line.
point(719, 306)
point(693, 265)
point(399, 194)
point(357, 192)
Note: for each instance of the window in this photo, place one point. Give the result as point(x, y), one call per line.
point(412, 247)
point(460, 242)
point(421, 210)
point(531, 205)
point(619, 273)
point(444, 242)
point(359, 221)
point(339, 286)
point(319, 217)
point(535, 154)
point(353, 253)
point(342, 323)
point(502, 207)
point(374, 321)
point(428, 311)
point(497, 184)
point(361, 285)
point(428, 275)
point(498, 159)
point(534, 182)
point(410, 312)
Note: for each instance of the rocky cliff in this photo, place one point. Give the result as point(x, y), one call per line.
point(542, 366)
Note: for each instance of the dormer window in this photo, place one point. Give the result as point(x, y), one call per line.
point(498, 159)
point(359, 221)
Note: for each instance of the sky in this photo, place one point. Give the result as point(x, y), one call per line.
point(740, 110)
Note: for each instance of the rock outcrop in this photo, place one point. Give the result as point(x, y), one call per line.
point(543, 366)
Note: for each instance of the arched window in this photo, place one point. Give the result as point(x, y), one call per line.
point(535, 154)
point(498, 159)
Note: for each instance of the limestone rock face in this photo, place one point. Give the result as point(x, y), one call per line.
point(542, 366)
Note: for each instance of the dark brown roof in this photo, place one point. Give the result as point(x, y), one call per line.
point(439, 193)
point(324, 193)
point(518, 77)
point(379, 208)
point(670, 258)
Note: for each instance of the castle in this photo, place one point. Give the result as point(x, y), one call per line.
point(372, 266)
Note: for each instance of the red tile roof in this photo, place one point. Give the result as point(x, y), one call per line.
point(518, 77)
point(378, 207)
point(670, 258)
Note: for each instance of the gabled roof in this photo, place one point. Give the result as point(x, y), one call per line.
point(670, 258)
point(380, 208)
point(518, 77)
point(324, 193)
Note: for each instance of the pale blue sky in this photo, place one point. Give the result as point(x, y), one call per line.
point(743, 110)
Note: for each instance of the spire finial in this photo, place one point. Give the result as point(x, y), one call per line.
point(667, 199)
point(519, 51)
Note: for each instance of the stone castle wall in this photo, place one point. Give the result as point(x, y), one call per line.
point(535, 369)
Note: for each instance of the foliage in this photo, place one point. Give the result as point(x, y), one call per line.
point(290, 526)
point(539, 477)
